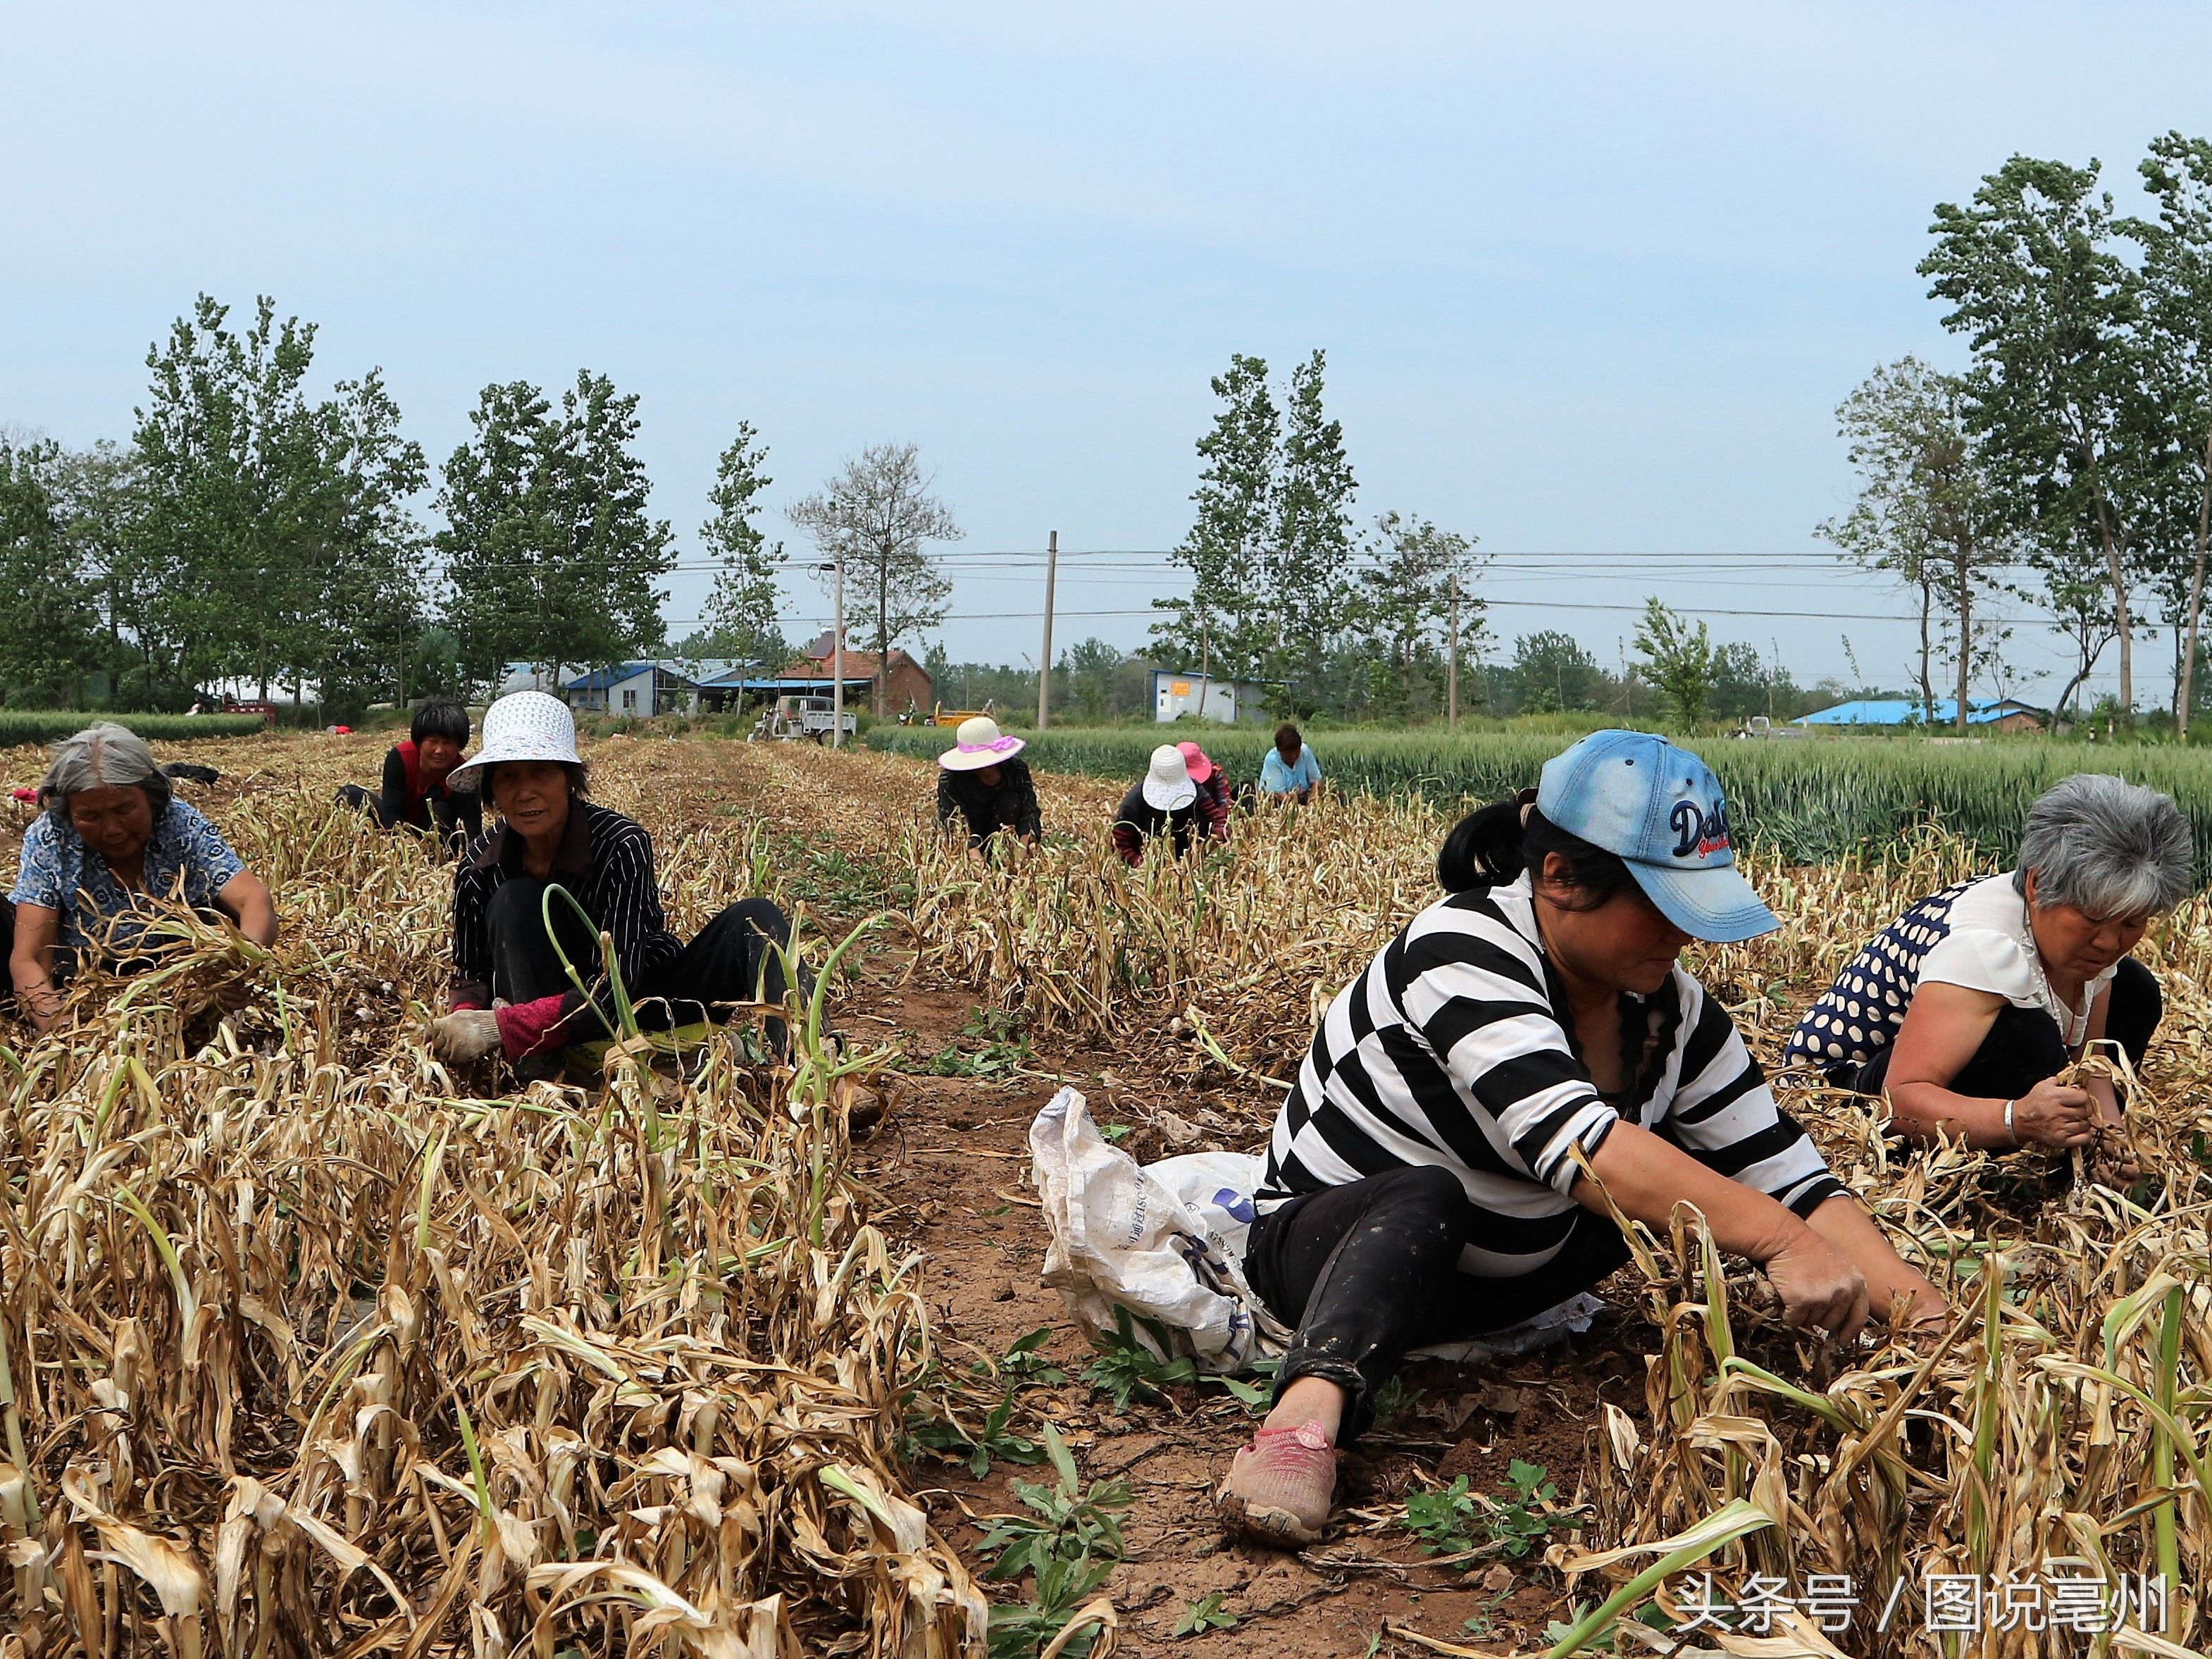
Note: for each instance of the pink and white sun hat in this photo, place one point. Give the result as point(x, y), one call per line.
point(524, 726)
point(977, 744)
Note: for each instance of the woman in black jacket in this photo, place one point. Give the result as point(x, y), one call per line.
point(982, 788)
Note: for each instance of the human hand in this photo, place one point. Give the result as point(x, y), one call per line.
point(2054, 1114)
point(469, 1035)
point(1819, 1287)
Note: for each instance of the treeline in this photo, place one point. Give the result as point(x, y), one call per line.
point(2069, 465)
point(252, 532)
point(1096, 683)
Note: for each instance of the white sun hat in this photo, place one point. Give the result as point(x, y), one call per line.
point(978, 744)
point(525, 726)
point(1167, 784)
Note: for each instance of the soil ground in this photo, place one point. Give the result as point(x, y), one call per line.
point(951, 1164)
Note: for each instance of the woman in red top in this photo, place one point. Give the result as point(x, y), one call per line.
point(416, 794)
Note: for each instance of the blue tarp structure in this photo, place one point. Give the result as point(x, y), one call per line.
point(1905, 711)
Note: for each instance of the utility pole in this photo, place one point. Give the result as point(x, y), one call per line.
point(1044, 667)
point(1451, 668)
point(837, 659)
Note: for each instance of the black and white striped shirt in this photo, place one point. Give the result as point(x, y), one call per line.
point(605, 860)
point(1447, 1051)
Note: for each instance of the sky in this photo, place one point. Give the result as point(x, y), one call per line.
point(1591, 278)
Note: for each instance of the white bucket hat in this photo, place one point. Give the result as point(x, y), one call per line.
point(978, 744)
point(1167, 784)
point(525, 726)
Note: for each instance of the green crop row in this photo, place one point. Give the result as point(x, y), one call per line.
point(51, 726)
point(1814, 799)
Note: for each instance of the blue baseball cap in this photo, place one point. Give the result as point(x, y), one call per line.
point(1659, 808)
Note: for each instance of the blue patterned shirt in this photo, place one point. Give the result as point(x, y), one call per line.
point(187, 859)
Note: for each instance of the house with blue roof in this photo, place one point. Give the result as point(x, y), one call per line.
point(1982, 713)
point(641, 689)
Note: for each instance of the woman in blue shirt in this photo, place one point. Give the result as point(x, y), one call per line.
point(114, 843)
point(1289, 772)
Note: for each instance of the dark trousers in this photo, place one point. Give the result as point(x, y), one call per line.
point(2024, 1046)
point(1370, 1270)
point(454, 829)
point(731, 960)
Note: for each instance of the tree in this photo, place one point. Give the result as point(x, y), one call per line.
point(1677, 659)
point(49, 638)
point(1928, 509)
point(1553, 672)
point(1400, 602)
point(1227, 616)
point(549, 550)
point(273, 536)
point(2177, 284)
point(2057, 386)
point(101, 493)
point(1090, 666)
point(1306, 566)
point(874, 516)
point(741, 611)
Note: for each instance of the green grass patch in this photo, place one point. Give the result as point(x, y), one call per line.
point(1814, 799)
point(53, 725)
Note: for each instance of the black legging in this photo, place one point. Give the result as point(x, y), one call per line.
point(2024, 1045)
point(1370, 1270)
point(731, 960)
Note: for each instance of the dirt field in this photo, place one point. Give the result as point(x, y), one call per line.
point(952, 1163)
point(844, 839)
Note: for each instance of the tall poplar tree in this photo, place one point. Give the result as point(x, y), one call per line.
point(741, 611)
point(551, 554)
point(1307, 567)
point(2177, 284)
point(1927, 511)
point(1227, 621)
point(2056, 387)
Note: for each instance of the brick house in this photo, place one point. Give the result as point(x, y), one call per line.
point(895, 681)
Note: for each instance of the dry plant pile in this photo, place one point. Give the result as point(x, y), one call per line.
point(2065, 1417)
point(306, 1350)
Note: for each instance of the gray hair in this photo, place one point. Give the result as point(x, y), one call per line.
point(103, 756)
point(2106, 846)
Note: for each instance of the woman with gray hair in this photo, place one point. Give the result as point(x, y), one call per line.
point(113, 843)
point(1969, 1005)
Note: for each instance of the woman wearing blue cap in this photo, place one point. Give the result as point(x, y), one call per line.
point(1525, 1056)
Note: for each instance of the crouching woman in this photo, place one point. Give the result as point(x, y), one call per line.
point(114, 843)
point(511, 989)
point(1964, 1010)
point(1525, 1050)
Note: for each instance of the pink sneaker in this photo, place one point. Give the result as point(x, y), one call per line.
point(1279, 1486)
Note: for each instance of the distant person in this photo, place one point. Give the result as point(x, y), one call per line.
point(1524, 1062)
point(418, 791)
point(113, 845)
point(1290, 773)
point(1165, 803)
point(1967, 1007)
point(983, 788)
point(1213, 798)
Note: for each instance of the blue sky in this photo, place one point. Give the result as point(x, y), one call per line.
point(1592, 278)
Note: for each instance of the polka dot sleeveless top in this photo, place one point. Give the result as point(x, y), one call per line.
point(1858, 1016)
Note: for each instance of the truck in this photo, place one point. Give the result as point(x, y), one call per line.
point(788, 719)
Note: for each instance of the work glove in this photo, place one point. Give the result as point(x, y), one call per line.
point(466, 1035)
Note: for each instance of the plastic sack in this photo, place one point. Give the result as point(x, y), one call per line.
point(1166, 1242)
point(1126, 1236)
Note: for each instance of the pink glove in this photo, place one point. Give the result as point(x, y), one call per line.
point(529, 1028)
